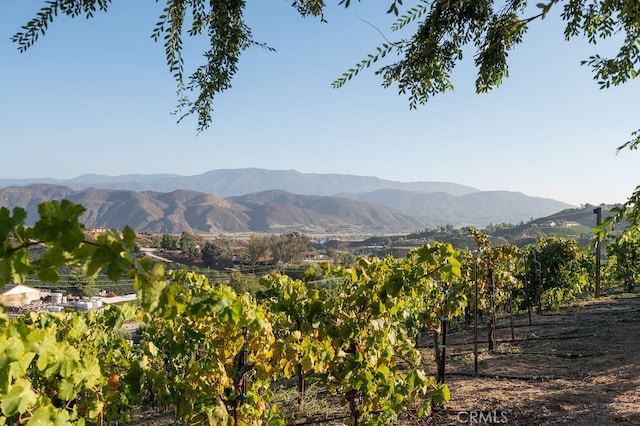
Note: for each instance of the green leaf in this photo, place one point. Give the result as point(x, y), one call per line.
point(441, 395)
point(49, 416)
point(19, 398)
point(66, 389)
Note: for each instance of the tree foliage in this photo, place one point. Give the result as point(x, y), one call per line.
point(169, 242)
point(623, 259)
point(560, 273)
point(257, 247)
point(442, 31)
point(188, 244)
point(217, 253)
point(288, 247)
point(205, 350)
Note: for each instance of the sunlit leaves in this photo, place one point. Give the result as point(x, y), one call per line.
point(623, 259)
point(195, 334)
point(502, 35)
point(628, 211)
point(58, 357)
point(362, 322)
point(19, 397)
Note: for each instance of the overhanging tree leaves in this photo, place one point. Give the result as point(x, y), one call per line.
point(221, 20)
point(443, 29)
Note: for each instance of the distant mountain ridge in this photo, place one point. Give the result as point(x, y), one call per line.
point(190, 211)
point(236, 182)
point(477, 208)
point(259, 199)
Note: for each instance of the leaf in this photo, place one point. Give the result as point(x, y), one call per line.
point(66, 389)
point(49, 416)
point(378, 323)
point(173, 300)
point(307, 363)
point(152, 349)
point(19, 368)
point(232, 313)
point(441, 395)
point(19, 398)
point(14, 349)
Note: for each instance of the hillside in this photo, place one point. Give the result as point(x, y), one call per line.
point(576, 223)
point(477, 208)
point(191, 211)
point(323, 212)
point(434, 203)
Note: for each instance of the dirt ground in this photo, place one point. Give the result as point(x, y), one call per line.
point(577, 366)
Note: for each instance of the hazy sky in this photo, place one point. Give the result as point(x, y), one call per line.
point(95, 96)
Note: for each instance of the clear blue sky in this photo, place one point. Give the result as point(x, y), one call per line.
point(95, 96)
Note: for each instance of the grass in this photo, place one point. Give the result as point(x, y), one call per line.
point(317, 404)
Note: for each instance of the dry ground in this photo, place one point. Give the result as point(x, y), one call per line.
point(577, 366)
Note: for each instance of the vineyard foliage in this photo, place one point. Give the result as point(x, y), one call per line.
point(216, 355)
point(204, 349)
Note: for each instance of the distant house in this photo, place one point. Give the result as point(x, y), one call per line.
point(98, 230)
point(314, 256)
point(397, 252)
point(18, 295)
point(570, 224)
point(119, 299)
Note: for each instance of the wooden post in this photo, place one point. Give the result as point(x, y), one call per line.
point(598, 212)
point(526, 288)
point(444, 347)
point(475, 318)
point(492, 296)
point(513, 335)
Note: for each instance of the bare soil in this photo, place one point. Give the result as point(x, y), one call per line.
point(577, 366)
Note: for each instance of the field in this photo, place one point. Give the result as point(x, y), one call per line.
point(577, 366)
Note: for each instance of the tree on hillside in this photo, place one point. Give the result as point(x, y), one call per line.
point(81, 284)
point(257, 247)
point(169, 242)
point(289, 247)
point(342, 258)
point(244, 283)
point(217, 253)
point(188, 244)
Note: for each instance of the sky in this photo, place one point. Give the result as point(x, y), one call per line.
point(95, 96)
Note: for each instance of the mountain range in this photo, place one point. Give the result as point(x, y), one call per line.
point(258, 200)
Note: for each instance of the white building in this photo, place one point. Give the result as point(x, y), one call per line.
point(18, 295)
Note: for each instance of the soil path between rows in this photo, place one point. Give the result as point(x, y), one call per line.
point(577, 366)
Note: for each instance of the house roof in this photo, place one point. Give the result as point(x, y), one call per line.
point(17, 289)
point(119, 299)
